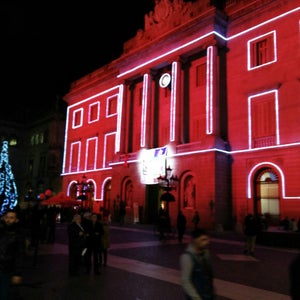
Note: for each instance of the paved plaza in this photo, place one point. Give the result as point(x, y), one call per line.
point(140, 267)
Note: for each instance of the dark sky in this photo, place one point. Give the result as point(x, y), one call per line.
point(46, 46)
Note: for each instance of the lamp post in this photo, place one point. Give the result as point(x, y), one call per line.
point(168, 183)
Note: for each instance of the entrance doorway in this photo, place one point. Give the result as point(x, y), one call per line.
point(152, 203)
point(267, 201)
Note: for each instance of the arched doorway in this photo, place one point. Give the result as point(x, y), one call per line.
point(267, 200)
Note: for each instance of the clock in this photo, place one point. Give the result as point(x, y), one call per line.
point(165, 80)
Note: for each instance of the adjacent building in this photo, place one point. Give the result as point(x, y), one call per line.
point(35, 143)
point(200, 112)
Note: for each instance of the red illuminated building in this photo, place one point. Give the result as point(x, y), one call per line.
point(209, 93)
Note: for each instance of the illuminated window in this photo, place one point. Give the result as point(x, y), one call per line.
point(32, 140)
point(267, 189)
point(94, 110)
point(262, 50)
point(111, 108)
point(13, 141)
point(263, 120)
point(41, 138)
point(77, 118)
point(91, 153)
point(36, 139)
point(74, 157)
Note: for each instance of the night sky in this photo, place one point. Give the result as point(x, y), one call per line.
point(46, 46)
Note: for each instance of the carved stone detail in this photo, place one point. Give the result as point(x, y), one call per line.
point(167, 14)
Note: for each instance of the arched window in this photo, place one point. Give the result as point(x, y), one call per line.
point(267, 190)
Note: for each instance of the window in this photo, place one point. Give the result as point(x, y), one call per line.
point(94, 110)
point(263, 120)
point(262, 50)
point(267, 187)
point(91, 153)
point(77, 118)
point(74, 157)
point(111, 106)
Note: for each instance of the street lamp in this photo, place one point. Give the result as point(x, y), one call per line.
point(167, 183)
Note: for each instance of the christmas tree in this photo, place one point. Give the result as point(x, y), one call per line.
point(8, 189)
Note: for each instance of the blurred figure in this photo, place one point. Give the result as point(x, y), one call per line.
point(122, 212)
point(181, 226)
point(93, 241)
point(293, 225)
point(294, 274)
point(76, 235)
point(196, 268)
point(163, 224)
point(12, 253)
point(285, 224)
point(196, 219)
point(251, 229)
point(105, 241)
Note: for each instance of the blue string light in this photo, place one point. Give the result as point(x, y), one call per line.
point(8, 188)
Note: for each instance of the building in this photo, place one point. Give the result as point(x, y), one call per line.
point(205, 94)
point(36, 151)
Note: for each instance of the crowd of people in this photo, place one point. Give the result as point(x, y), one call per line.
point(89, 241)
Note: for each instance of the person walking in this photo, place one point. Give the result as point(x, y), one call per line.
point(93, 242)
point(76, 244)
point(122, 212)
point(196, 219)
point(12, 253)
point(196, 271)
point(181, 226)
point(251, 229)
point(105, 241)
point(163, 224)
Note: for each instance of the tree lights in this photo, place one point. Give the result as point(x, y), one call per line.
point(8, 189)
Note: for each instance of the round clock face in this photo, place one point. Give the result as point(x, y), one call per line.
point(165, 80)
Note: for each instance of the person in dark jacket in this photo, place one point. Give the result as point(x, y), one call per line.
point(76, 235)
point(94, 237)
point(181, 226)
point(196, 269)
point(251, 229)
point(12, 252)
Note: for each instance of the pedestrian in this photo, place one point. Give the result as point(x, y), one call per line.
point(181, 226)
point(12, 253)
point(122, 212)
point(105, 241)
point(76, 244)
point(196, 219)
point(293, 225)
point(93, 244)
point(251, 229)
point(51, 224)
point(196, 271)
point(163, 224)
point(294, 275)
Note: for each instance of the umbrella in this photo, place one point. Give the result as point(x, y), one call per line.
point(60, 199)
